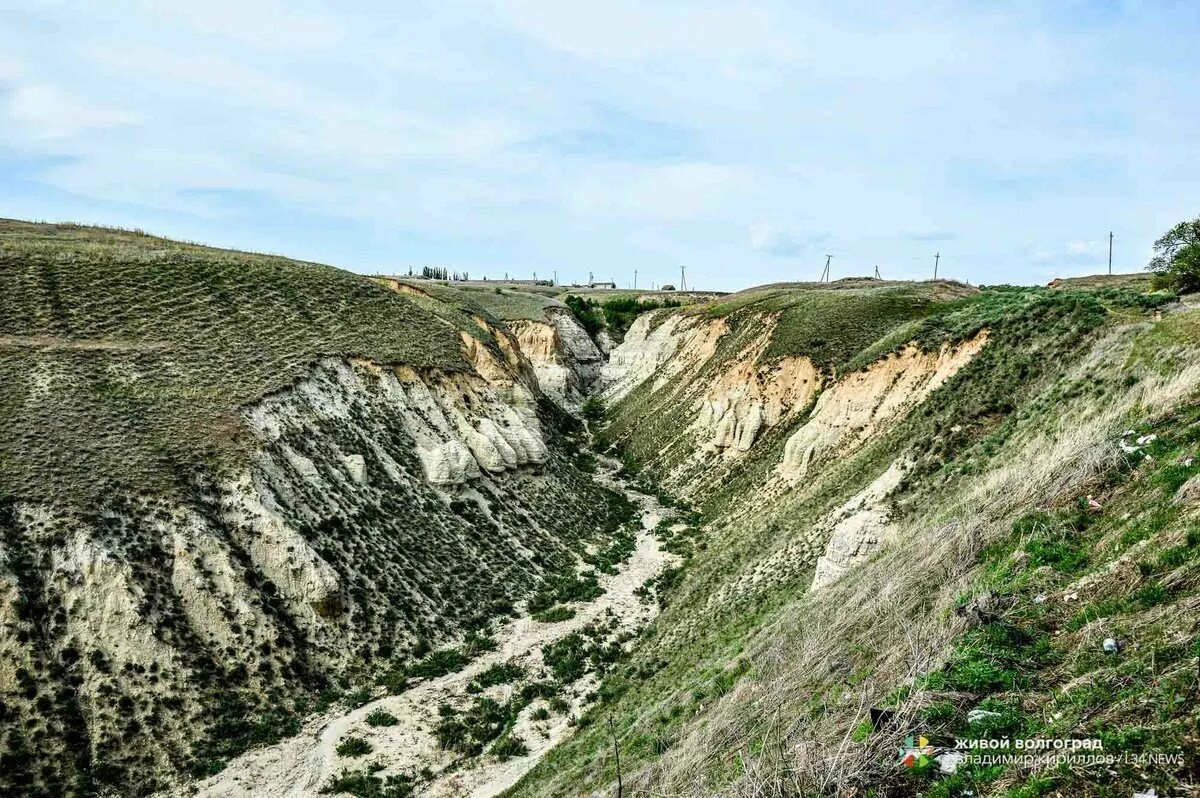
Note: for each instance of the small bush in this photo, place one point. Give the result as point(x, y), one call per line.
point(354, 746)
point(381, 717)
point(555, 614)
point(497, 674)
point(508, 747)
point(365, 784)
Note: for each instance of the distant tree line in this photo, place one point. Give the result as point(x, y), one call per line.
point(441, 273)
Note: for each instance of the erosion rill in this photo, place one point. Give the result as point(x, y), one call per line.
point(271, 528)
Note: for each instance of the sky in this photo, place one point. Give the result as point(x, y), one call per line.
point(743, 140)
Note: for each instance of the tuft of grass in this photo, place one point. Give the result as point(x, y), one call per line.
point(354, 746)
point(380, 717)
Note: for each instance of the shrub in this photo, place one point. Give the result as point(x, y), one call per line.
point(381, 717)
point(354, 746)
point(365, 784)
point(508, 747)
point(468, 733)
point(497, 674)
point(555, 614)
point(439, 663)
point(592, 409)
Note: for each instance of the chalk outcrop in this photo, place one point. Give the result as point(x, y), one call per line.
point(750, 397)
point(565, 359)
point(659, 345)
point(860, 405)
point(857, 528)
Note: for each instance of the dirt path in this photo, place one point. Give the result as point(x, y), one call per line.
point(302, 765)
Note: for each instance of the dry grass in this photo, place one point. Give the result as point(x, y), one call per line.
point(788, 729)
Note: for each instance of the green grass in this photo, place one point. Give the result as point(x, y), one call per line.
point(354, 747)
point(1020, 381)
point(148, 348)
point(380, 717)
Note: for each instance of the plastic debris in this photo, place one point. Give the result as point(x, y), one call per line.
point(949, 761)
point(1111, 646)
point(1040, 598)
point(976, 715)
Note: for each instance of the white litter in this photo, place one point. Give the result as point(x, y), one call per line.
point(976, 715)
point(949, 761)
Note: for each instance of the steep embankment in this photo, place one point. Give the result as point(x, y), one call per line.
point(565, 360)
point(532, 683)
point(230, 483)
point(925, 509)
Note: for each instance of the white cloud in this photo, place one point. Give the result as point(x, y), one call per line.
point(1077, 253)
point(47, 112)
point(784, 241)
point(625, 29)
point(671, 191)
point(264, 24)
point(204, 70)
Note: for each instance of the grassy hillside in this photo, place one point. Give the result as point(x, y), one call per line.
point(1030, 525)
point(214, 512)
point(504, 303)
point(124, 357)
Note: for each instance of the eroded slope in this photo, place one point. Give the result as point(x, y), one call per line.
point(232, 482)
point(977, 494)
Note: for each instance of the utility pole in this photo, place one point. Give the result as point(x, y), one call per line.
point(877, 271)
point(556, 276)
point(825, 271)
point(1110, 252)
point(937, 256)
point(590, 280)
point(635, 279)
point(682, 280)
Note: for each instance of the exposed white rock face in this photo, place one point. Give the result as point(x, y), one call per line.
point(858, 405)
point(356, 468)
point(748, 398)
point(857, 528)
point(605, 343)
point(564, 358)
point(279, 551)
point(211, 586)
point(103, 603)
point(462, 424)
point(650, 349)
